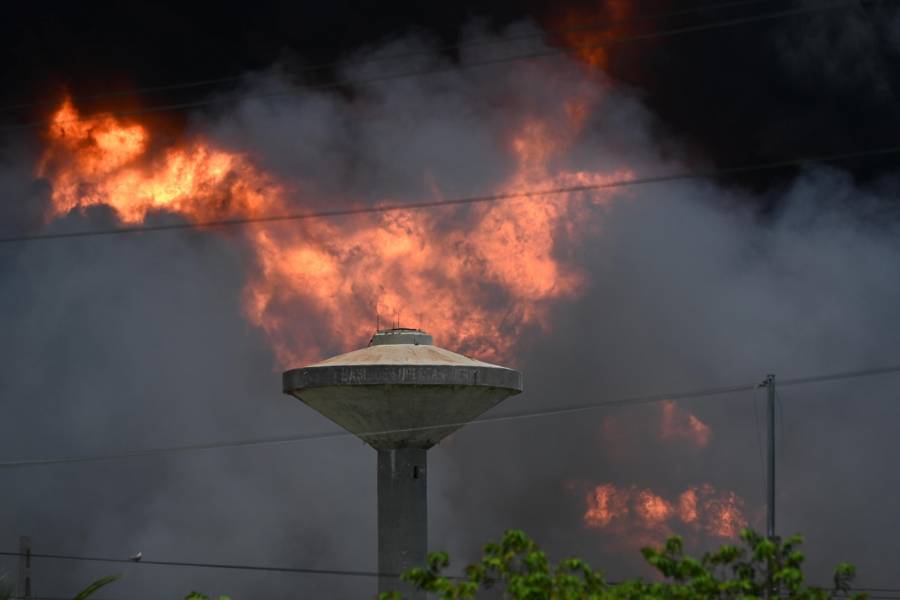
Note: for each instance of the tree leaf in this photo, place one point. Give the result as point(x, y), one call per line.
point(103, 581)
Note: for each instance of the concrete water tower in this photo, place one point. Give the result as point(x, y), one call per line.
point(402, 395)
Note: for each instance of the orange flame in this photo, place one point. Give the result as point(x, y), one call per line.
point(725, 511)
point(677, 424)
point(605, 503)
point(589, 36)
point(626, 509)
point(98, 160)
point(475, 287)
point(687, 506)
point(652, 509)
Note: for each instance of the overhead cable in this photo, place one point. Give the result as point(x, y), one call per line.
point(550, 52)
point(282, 569)
point(334, 434)
point(430, 204)
point(836, 376)
point(547, 412)
point(205, 565)
point(352, 61)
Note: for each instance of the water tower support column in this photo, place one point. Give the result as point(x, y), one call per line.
point(402, 516)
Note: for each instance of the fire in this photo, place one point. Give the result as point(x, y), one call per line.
point(680, 425)
point(652, 509)
point(699, 508)
point(589, 35)
point(687, 506)
point(605, 503)
point(475, 286)
point(317, 284)
point(725, 510)
point(99, 160)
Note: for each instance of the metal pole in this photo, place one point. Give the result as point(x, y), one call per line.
point(23, 583)
point(771, 586)
point(770, 491)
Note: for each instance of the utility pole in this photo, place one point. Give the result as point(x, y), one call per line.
point(23, 583)
point(769, 384)
point(770, 471)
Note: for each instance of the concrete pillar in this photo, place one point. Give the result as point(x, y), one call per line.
point(402, 517)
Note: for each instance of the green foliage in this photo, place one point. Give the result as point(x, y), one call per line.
point(521, 571)
point(199, 596)
point(89, 590)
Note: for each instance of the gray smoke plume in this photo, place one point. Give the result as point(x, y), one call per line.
point(130, 342)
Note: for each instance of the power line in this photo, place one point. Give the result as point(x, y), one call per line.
point(334, 434)
point(208, 565)
point(343, 212)
point(852, 590)
point(450, 68)
point(605, 23)
point(589, 25)
point(839, 375)
point(70, 598)
point(283, 569)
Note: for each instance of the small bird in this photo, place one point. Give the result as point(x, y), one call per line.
point(135, 557)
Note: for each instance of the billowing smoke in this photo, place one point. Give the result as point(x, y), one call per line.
point(141, 341)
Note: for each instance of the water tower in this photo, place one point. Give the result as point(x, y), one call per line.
point(402, 395)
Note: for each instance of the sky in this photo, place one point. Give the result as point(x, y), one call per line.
point(126, 342)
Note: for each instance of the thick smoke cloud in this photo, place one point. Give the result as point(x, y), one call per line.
point(852, 51)
point(819, 83)
point(132, 342)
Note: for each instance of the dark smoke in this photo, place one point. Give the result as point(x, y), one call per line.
point(138, 341)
